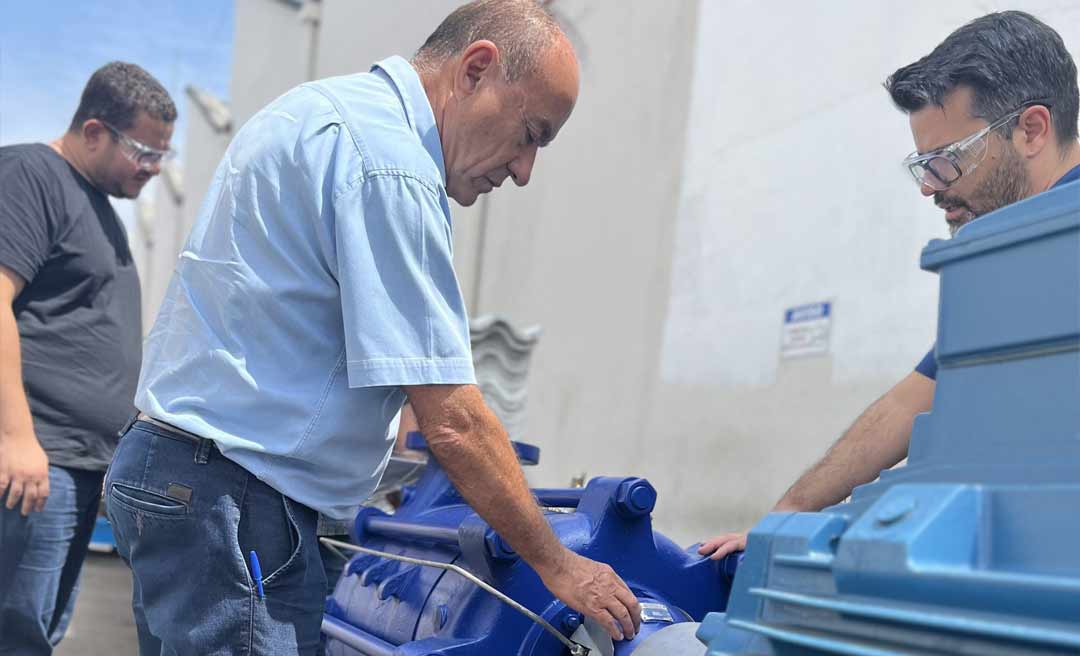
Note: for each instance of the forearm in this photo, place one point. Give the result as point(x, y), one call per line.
point(877, 440)
point(15, 420)
point(472, 447)
point(474, 450)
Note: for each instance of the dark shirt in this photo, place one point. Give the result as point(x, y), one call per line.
point(928, 365)
point(79, 314)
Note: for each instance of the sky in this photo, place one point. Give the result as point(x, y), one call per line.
point(49, 48)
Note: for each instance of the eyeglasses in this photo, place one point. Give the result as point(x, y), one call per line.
point(942, 168)
point(145, 157)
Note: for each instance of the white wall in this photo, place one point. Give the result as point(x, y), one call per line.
point(206, 144)
point(271, 54)
point(793, 194)
point(691, 198)
point(157, 223)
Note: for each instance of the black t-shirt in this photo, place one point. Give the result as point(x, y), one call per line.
point(79, 314)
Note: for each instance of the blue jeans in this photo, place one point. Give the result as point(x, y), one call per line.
point(185, 519)
point(40, 559)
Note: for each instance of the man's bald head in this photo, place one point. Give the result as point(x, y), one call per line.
point(523, 31)
point(502, 79)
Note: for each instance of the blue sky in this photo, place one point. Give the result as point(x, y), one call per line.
point(48, 49)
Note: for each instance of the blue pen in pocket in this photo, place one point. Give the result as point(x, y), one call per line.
point(256, 572)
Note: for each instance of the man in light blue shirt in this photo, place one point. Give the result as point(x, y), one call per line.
point(315, 294)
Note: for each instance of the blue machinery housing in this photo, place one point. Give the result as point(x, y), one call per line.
point(972, 548)
point(382, 607)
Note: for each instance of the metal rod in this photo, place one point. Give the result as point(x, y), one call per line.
point(390, 527)
point(559, 497)
point(358, 639)
point(576, 649)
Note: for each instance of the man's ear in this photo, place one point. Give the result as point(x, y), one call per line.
point(1036, 130)
point(480, 61)
point(94, 134)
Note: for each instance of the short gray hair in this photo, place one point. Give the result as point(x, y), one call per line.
point(522, 30)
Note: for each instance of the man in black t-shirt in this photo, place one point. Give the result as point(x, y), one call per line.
point(993, 111)
point(70, 339)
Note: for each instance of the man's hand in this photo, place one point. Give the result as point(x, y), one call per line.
point(595, 590)
point(472, 447)
point(722, 545)
point(877, 440)
point(24, 473)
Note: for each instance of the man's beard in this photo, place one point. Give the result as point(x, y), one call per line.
point(115, 188)
point(1008, 183)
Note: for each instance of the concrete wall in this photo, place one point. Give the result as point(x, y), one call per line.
point(208, 137)
point(271, 54)
point(689, 200)
point(792, 194)
point(157, 224)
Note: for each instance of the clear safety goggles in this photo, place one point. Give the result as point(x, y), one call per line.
point(145, 157)
point(942, 168)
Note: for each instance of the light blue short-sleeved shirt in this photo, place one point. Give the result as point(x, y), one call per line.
point(316, 282)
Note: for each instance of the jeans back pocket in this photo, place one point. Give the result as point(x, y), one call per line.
point(145, 501)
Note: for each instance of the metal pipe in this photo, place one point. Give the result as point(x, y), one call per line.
point(356, 638)
point(389, 527)
point(559, 497)
point(576, 649)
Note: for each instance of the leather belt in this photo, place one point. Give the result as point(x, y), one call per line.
point(179, 432)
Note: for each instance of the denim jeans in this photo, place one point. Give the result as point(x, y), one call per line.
point(186, 519)
point(41, 556)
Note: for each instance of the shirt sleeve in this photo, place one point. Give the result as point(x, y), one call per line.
point(24, 229)
point(928, 365)
point(404, 317)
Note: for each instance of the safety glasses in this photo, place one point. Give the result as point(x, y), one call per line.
point(941, 169)
point(145, 157)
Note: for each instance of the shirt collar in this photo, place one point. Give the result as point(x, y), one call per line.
point(1072, 176)
point(415, 102)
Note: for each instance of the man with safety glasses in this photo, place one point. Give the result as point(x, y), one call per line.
point(70, 339)
point(993, 111)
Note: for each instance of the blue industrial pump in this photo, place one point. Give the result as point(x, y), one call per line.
point(410, 606)
point(974, 546)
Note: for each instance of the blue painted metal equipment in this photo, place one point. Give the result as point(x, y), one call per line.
point(974, 547)
point(384, 607)
point(102, 537)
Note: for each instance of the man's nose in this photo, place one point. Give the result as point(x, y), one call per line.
point(522, 165)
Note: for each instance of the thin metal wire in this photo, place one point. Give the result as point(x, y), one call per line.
point(576, 649)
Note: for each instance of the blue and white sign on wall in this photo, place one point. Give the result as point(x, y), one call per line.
point(806, 330)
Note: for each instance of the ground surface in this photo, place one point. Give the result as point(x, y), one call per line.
point(102, 625)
